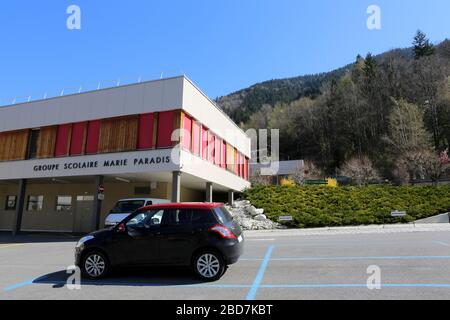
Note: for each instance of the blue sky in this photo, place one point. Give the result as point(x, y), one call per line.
point(222, 45)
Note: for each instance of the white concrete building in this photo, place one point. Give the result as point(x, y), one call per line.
point(159, 139)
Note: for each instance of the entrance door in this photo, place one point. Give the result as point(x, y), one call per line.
point(83, 214)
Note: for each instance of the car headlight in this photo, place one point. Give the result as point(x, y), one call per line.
point(83, 240)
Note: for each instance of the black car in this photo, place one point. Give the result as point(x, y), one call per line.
point(201, 235)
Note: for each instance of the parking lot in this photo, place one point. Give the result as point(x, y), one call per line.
point(413, 265)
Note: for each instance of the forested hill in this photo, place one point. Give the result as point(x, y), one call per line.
point(392, 109)
point(242, 104)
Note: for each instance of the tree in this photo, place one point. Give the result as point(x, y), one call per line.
point(406, 128)
point(308, 171)
point(422, 45)
point(420, 165)
point(360, 170)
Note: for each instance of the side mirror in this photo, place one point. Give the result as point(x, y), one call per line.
point(121, 228)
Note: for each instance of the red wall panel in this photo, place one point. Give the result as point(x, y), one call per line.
point(187, 132)
point(78, 138)
point(197, 131)
point(145, 135)
point(93, 136)
point(204, 143)
point(63, 140)
point(217, 150)
point(165, 129)
point(211, 139)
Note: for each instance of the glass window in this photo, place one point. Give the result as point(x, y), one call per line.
point(177, 217)
point(127, 206)
point(202, 216)
point(85, 198)
point(35, 203)
point(63, 203)
point(223, 214)
point(146, 219)
point(11, 202)
point(33, 143)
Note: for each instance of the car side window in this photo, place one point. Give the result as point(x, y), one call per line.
point(177, 217)
point(146, 219)
point(202, 216)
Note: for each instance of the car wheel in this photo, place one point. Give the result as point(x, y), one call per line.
point(209, 265)
point(95, 265)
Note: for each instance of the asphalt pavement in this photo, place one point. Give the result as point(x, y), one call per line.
point(286, 265)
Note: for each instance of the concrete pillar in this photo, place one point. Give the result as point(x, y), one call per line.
point(17, 222)
point(230, 197)
point(97, 211)
point(209, 192)
point(176, 186)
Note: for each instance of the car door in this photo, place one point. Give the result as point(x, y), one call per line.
point(139, 243)
point(177, 237)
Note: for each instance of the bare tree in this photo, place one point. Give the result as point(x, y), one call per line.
point(307, 171)
point(421, 164)
point(360, 170)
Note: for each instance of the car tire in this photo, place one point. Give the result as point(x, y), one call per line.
point(95, 265)
point(209, 265)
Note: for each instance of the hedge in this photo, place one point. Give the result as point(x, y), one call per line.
point(319, 206)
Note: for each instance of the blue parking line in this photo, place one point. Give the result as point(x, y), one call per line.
point(262, 269)
point(18, 285)
point(355, 285)
point(362, 258)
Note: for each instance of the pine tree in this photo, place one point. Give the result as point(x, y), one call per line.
point(422, 45)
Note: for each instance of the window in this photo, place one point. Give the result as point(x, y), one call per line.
point(223, 214)
point(146, 219)
point(35, 203)
point(202, 216)
point(63, 203)
point(11, 202)
point(33, 143)
point(178, 217)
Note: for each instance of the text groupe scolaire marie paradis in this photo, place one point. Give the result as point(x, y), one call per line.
point(104, 163)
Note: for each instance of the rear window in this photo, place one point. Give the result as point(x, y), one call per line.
point(127, 206)
point(223, 215)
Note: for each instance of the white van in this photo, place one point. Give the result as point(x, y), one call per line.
point(124, 207)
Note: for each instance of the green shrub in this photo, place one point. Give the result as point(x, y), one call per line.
point(319, 206)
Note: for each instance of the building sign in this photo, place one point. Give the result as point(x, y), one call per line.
point(112, 163)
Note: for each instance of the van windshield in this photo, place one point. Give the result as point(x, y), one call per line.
point(127, 206)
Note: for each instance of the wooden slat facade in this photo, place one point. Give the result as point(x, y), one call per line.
point(46, 143)
point(13, 145)
point(119, 134)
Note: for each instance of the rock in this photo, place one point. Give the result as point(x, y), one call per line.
point(260, 217)
point(252, 211)
point(251, 218)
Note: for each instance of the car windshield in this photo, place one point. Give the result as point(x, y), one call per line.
point(127, 206)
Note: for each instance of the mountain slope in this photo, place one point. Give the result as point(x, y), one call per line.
point(242, 104)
